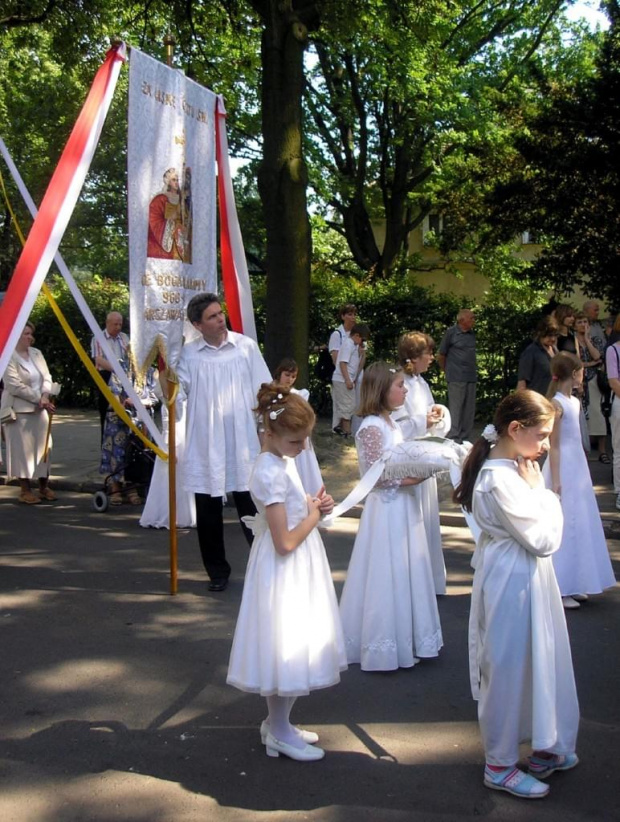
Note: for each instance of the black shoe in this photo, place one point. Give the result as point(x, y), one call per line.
point(338, 430)
point(218, 585)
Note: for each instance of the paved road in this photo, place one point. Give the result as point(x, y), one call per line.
point(114, 706)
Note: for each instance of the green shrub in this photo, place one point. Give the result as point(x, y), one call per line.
point(102, 296)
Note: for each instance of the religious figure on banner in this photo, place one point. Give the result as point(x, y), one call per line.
point(170, 219)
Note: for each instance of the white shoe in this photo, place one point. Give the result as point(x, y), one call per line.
point(309, 737)
point(308, 753)
point(580, 597)
point(569, 603)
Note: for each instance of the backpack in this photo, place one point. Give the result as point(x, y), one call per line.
point(324, 367)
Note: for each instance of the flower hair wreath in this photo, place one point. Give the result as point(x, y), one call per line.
point(490, 434)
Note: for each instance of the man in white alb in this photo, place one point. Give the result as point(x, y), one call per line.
point(220, 374)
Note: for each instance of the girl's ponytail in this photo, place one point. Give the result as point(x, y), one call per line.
point(464, 492)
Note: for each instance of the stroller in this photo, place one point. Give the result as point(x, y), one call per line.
point(137, 469)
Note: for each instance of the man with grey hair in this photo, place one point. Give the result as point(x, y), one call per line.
point(119, 343)
point(457, 357)
point(591, 309)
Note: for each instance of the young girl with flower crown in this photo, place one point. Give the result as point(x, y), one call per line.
point(520, 661)
point(388, 604)
point(288, 639)
point(582, 564)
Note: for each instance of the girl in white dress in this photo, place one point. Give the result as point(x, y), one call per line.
point(288, 640)
point(582, 564)
point(519, 655)
point(306, 462)
point(420, 415)
point(388, 605)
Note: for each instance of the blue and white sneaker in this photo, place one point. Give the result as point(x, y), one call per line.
point(516, 782)
point(542, 768)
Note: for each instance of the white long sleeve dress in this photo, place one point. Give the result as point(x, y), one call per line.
point(582, 564)
point(417, 402)
point(306, 462)
point(156, 512)
point(520, 660)
point(388, 604)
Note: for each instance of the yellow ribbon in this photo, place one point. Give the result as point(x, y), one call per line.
point(77, 345)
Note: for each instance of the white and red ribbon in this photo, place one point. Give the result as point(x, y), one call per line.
point(57, 206)
point(88, 315)
point(235, 278)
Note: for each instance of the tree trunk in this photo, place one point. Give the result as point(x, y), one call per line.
point(282, 183)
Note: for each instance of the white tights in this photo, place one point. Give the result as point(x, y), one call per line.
point(279, 708)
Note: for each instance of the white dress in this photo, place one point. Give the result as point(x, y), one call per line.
point(388, 605)
point(417, 402)
point(582, 564)
point(519, 653)
point(288, 640)
point(155, 513)
point(306, 462)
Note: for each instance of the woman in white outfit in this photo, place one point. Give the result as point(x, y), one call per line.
point(25, 412)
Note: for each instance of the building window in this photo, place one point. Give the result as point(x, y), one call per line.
point(432, 223)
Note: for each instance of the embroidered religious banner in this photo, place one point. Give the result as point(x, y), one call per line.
point(172, 205)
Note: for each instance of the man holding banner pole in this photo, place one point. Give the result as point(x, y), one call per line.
point(220, 375)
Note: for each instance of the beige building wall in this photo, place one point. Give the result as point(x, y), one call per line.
point(461, 277)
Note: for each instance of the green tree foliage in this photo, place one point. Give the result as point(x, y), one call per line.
point(407, 98)
point(102, 295)
point(567, 184)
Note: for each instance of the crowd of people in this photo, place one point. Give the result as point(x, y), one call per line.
point(246, 435)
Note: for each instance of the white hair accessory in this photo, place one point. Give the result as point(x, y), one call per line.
point(490, 434)
point(273, 415)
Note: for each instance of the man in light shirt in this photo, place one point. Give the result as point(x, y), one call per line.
point(220, 375)
point(119, 343)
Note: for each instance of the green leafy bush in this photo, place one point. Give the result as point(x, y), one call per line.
point(102, 296)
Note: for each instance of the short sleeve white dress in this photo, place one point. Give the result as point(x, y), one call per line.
point(388, 604)
point(288, 639)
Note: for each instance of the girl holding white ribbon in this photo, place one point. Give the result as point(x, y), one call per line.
point(388, 605)
point(519, 655)
point(288, 639)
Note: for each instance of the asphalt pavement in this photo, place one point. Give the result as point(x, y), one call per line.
point(114, 706)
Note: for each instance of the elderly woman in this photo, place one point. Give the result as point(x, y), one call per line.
point(25, 412)
point(534, 369)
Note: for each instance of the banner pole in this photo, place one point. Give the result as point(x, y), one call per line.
point(172, 483)
point(169, 42)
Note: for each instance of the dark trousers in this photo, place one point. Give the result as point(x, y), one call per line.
point(210, 528)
